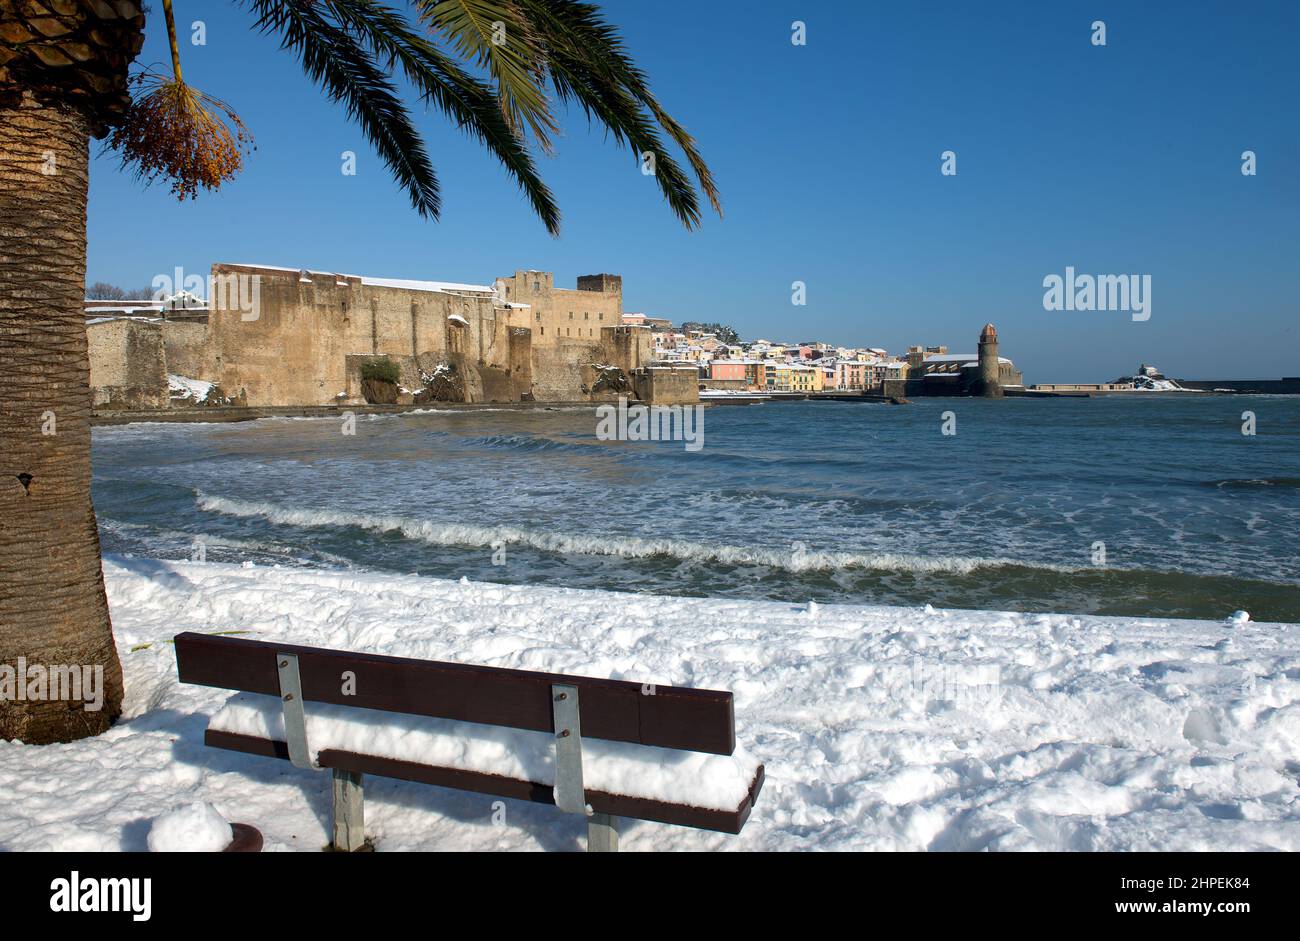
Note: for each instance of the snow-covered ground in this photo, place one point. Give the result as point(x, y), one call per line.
point(195, 390)
point(881, 728)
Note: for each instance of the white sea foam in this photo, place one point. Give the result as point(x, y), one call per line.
point(794, 559)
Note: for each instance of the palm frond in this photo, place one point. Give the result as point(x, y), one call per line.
point(348, 72)
point(440, 79)
point(356, 49)
point(588, 63)
point(497, 36)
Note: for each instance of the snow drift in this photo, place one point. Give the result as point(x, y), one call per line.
point(881, 728)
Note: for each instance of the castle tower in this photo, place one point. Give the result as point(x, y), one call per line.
point(604, 283)
point(988, 384)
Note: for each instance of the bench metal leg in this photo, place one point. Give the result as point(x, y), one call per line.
point(602, 834)
point(349, 810)
point(570, 795)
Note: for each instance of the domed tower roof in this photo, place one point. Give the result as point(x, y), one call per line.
point(989, 332)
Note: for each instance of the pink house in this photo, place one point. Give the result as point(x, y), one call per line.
point(752, 372)
point(851, 374)
point(726, 369)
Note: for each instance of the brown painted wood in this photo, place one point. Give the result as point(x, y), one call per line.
point(246, 839)
point(615, 710)
point(616, 804)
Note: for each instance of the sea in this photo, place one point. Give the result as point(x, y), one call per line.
point(1141, 504)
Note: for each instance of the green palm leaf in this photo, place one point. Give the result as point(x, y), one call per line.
point(496, 35)
point(587, 63)
point(441, 80)
point(358, 51)
point(349, 74)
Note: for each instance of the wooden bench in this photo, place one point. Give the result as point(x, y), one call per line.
point(432, 698)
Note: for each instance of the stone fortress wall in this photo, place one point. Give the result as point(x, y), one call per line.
point(294, 348)
point(307, 336)
point(127, 363)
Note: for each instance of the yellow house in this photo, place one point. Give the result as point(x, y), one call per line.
point(777, 376)
point(805, 378)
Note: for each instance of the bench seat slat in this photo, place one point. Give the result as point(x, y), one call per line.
point(617, 805)
point(614, 710)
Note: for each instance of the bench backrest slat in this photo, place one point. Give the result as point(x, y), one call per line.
point(615, 710)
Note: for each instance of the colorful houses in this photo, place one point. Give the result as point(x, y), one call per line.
point(771, 367)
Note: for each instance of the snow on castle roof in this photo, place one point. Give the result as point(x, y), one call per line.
point(441, 287)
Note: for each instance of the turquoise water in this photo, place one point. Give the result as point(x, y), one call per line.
point(796, 501)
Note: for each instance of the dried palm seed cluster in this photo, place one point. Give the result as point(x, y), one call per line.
point(174, 131)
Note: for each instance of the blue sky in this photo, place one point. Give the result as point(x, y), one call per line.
point(1117, 159)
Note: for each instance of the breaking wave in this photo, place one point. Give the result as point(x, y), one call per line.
point(791, 559)
point(1246, 483)
point(525, 442)
point(150, 539)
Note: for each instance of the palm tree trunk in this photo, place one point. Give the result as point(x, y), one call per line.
point(53, 611)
